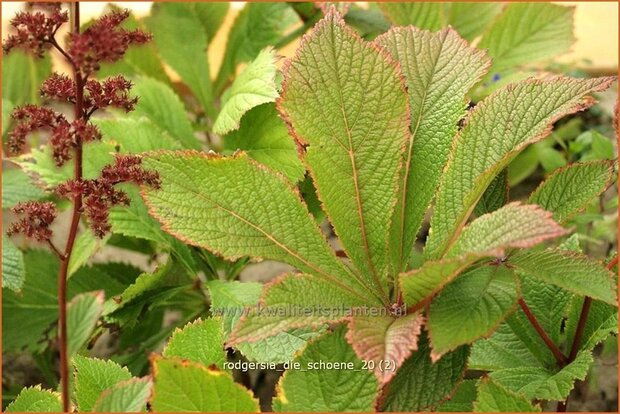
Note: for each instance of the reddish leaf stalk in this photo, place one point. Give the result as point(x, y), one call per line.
point(557, 354)
point(75, 221)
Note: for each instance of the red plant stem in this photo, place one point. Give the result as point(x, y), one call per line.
point(559, 356)
point(75, 221)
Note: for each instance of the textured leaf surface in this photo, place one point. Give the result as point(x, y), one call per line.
point(314, 389)
point(471, 306)
point(569, 189)
point(384, 339)
point(125, 397)
point(35, 400)
point(439, 69)
point(540, 383)
point(602, 321)
point(211, 202)
point(93, 376)
point(27, 315)
point(528, 32)
point(493, 398)
point(346, 103)
point(229, 300)
point(182, 386)
point(13, 268)
point(82, 315)
point(199, 341)
point(182, 43)
point(163, 107)
point(86, 244)
point(471, 19)
point(514, 225)
point(295, 301)
point(424, 15)
point(265, 138)
point(254, 86)
point(420, 384)
point(503, 124)
point(17, 187)
point(571, 271)
point(495, 196)
point(462, 400)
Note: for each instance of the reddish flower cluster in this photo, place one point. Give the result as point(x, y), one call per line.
point(99, 194)
point(38, 218)
point(113, 92)
point(34, 31)
point(103, 41)
point(65, 135)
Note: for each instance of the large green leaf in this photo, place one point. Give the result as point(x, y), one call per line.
point(18, 187)
point(257, 26)
point(347, 105)
point(528, 32)
point(493, 398)
point(86, 244)
point(199, 341)
point(503, 125)
point(254, 86)
point(439, 69)
point(544, 384)
point(183, 386)
point(125, 397)
point(82, 315)
point(94, 376)
point(35, 400)
point(182, 42)
point(462, 400)
point(421, 384)
point(602, 321)
point(472, 18)
point(27, 315)
point(385, 341)
point(22, 76)
point(569, 189)
point(229, 301)
point(471, 306)
point(313, 387)
point(135, 135)
point(571, 271)
point(296, 301)
point(198, 203)
point(425, 15)
point(512, 226)
point(163, 107)
point(495, 196)
point(265, 138)
point(13, 270)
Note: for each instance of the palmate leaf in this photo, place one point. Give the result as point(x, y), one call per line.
point(346, 104)
point(492, 398)
point(437, 84)
point(254, 86)
point(571, 271)
point(264, 137)
point(514, 40)
point(512, 226)
point(421, 384)
point(209, 201)
point(312, 388)
point(425, 15)
point(504, 124)
point(295, 301)
point(94, 376)
point(125, 397)
point(183, 386)
point(229, 300)
point(35, 400)
point(385, 340)
point(199, 341)
point(471, 306)
point(569, 189)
